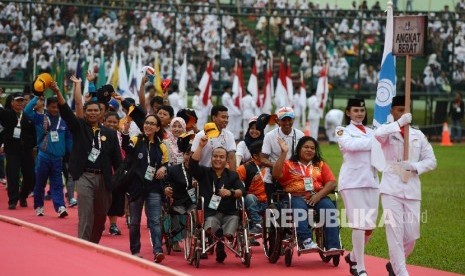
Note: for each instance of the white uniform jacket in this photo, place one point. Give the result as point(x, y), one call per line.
point(356, 170)
point(421, 156)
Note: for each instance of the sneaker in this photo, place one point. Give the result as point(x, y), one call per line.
point(23, 203)
point(362, 273)
point(309, 244)
point(114, 230)
point(62, 212)
point(72, 202)
point(220, 254)
point(159, 257)
point(11, 206)
point(3, 181)
point(256, 229)
point(40, 211)
point(48, 197)
point(138, 255)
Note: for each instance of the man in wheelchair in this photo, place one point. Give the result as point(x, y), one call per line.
point(220, 187)
point(309, 180)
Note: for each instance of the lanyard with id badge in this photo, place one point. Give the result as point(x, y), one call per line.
point(17, 130)
point(94, 152)
point(151, 170)
point(215, 200)
point(191, 191)
point(308, 180)
point(54, 133)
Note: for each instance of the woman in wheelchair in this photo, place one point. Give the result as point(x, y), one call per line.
point(180, 188)
point(220, 187)
point(309, 180)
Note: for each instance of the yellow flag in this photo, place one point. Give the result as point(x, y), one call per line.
point(115, 77)
point(158, 79)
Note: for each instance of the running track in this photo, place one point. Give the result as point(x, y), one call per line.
point(31, 245)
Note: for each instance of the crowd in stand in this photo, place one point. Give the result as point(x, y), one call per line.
point(350, 41)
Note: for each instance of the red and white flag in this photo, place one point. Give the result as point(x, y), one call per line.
point(265, 103)
point(303, 98)
point(290, 86)
point(281, 98)
point(322, 89)
point(238, 85)
point(252, 86)
point(205, 85)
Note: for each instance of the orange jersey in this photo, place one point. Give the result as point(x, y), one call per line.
point(294, 173)
point(249, 173)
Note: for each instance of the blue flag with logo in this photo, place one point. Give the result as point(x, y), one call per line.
point(387, 76)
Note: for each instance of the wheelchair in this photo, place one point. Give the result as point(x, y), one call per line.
point(195, 240)
point(279, 241)
point(169, 230)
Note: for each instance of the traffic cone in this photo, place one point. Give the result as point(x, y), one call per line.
point(307, 129)
point(445, 139)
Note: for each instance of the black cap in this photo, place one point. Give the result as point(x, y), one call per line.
point(398, 101)
point(355, 102)
point(185, 142)
point(104, 93)
point(17, 96)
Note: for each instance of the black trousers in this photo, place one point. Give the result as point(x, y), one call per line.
point(23, 161)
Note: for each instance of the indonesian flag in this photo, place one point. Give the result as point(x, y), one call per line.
point(265, 103)
point(252, 86)
point(303, 98)
point(238, 86)
point(205, 84)
point(290, 86)
point(322, 89)
point(281, 97)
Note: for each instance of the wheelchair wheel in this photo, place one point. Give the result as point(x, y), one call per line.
point(288, 256)
point(247, 258)
point(168, 244)
point(272, 237)
point(197, 258)
point(189, 241)
point(324, 258)
point(336, 260)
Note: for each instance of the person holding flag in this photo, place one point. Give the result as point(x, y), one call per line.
point(400, 186)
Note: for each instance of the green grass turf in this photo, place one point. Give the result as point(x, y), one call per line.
point(443, 213)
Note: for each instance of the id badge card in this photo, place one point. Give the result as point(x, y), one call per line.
point(54, 136)
point(191, 193)
point(17, 133)
point(149, 173)
point(93, 155)
point(214, 202)
point(308, 182)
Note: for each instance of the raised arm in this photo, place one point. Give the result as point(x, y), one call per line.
point(142, 93)
point(77, 96)
point(279, 164)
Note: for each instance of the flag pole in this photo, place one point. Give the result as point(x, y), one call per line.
point(408, 73)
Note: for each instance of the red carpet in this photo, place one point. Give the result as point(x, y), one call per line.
point(28, 252)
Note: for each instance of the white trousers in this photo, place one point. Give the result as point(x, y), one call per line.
point(402, 222)
point(314, 125)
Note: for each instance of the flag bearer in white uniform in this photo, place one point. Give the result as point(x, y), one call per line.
point(358, 181)
point(400, 184)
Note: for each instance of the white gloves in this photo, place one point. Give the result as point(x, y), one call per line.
point(407, 166)
point(405, 119)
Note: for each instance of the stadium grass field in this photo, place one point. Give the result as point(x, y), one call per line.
point(443, 221)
